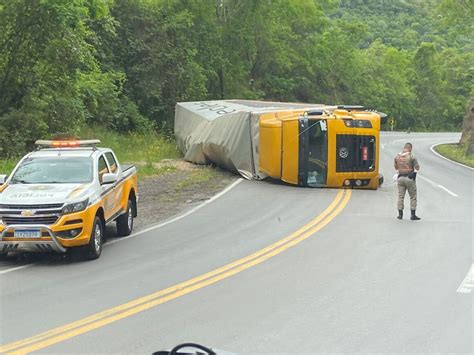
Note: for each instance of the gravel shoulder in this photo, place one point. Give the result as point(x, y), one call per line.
point(179, 186)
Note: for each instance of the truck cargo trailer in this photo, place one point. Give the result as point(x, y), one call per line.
point(301, 144)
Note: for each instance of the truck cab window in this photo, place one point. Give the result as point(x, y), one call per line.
point(317, 154)
point(112, 162)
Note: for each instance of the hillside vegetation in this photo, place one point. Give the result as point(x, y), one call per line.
point(123, 64)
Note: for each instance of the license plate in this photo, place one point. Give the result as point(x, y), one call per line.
point(30, 233)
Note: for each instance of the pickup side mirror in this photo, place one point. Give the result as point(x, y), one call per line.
point(3, 179)
point(109, 179)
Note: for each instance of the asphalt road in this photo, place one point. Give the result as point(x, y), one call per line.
point(364, 283)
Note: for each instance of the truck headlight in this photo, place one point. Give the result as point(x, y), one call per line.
point(75, 207)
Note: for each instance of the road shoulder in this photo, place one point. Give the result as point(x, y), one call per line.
point(182, 186)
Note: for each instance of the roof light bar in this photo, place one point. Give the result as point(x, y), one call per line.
point(67, 144)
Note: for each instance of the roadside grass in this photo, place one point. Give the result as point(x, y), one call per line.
point(144, 150)
point(455, 152)
point(150, 170)
point(7, 165)
point(199, 176)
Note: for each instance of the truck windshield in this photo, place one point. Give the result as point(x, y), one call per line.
point(316, 159)
point(54, 170)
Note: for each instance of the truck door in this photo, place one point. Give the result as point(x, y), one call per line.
point(107, 193)
point(117, 192)
point(313, 152)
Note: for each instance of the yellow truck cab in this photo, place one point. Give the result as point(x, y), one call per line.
point(63, 195)
point(327, 147)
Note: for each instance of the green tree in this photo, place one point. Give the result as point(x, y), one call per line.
point(50, 78)
point(154, 48)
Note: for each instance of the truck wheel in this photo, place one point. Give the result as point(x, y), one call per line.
point(380, 179)
point(94, 248)
point(125, 221)
point(3, 256)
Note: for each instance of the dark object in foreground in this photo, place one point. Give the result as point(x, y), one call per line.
point(175, 350)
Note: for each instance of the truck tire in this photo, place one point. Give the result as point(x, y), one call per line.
point(380, 177)
point(125, 221)
point(94, 248)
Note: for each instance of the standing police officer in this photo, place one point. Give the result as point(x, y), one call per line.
point(406, 164)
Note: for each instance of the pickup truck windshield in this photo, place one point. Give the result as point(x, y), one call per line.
point(54, 170)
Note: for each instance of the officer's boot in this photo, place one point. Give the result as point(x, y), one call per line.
point(400, 214)
point(414, 217)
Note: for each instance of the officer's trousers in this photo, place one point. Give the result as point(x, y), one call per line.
point(404, 184)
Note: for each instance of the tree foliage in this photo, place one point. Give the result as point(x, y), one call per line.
point(123, 64)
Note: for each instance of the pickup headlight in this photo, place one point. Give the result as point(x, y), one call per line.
point(75, 207)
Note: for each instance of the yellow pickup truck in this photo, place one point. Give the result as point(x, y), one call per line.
point(62, 196)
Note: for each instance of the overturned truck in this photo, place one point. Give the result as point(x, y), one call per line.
point(301, 144)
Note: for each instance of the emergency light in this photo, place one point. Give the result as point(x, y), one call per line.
point(67, 144)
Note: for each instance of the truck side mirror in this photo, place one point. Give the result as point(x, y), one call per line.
point(109, 179)
point(3, 179)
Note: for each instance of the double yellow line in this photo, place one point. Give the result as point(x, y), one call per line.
point(125, 310)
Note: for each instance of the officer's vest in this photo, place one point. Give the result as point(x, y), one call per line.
point(404, 163)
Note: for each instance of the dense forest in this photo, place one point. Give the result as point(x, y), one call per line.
point(123, 64)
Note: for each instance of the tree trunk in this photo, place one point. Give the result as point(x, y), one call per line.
point(220, 73)
point(467, 138)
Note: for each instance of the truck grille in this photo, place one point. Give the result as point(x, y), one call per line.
point(47, 220)
point(37, 214)
point(355, 153)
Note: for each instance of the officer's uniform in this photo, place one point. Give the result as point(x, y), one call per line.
point(406, 164)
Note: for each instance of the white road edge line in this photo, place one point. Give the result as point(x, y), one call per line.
point(16, 268)
point(447, 190)
point(438, 185)
point(443, 157)
point(468, 283)
point(177, 218)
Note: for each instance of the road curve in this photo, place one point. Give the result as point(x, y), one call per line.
point(366, 282)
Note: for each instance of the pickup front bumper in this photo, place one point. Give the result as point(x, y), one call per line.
point(47, 242)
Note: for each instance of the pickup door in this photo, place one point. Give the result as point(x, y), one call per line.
point(117, 192)
point(109, 191)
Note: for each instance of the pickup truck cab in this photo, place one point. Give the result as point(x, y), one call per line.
point(62, 196)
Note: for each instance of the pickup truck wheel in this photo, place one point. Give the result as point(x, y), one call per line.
point(94, 248)
point(125, 221)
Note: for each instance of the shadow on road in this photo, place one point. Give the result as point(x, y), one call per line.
point(50, 259)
